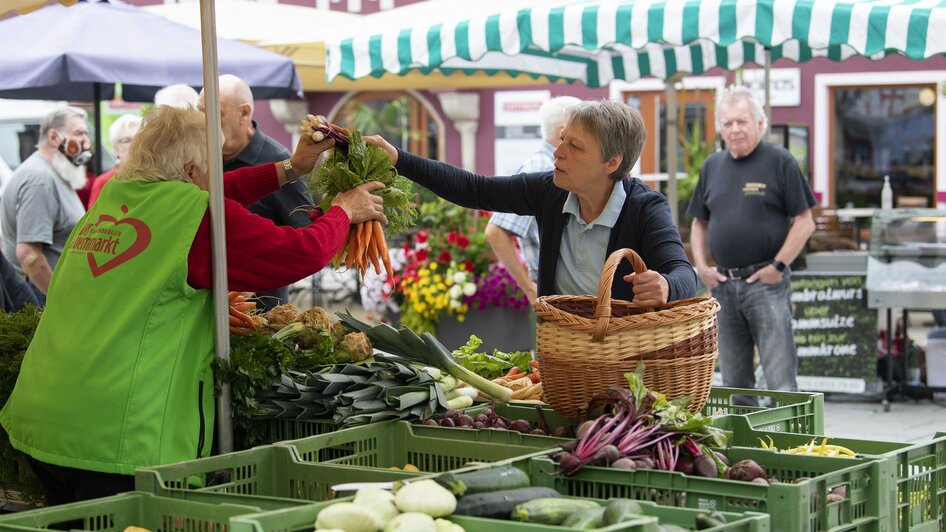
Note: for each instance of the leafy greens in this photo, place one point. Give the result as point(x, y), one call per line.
point(362, 163)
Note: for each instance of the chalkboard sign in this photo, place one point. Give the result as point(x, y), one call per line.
point(835, 333)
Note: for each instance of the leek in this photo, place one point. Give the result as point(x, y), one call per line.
point(425, 349)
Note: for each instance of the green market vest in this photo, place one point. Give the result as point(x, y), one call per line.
point(118, 374)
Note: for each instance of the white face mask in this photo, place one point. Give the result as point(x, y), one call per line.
point(70, 173)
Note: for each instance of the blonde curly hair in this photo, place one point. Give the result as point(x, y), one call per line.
point(169, 138)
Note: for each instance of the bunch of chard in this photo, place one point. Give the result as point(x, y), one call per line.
point(633, 428)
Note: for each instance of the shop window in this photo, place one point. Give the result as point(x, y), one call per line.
point(878, 131)
point(793, 138)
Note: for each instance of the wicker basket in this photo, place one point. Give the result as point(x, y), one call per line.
point(585, 344)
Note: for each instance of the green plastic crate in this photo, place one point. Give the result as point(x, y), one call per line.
point(114, 514)
point(270, 477)
point(430, 449)
point(302, 519)
point(792, 507)
point(278, 430)
point(919, 470)
point(798, 412)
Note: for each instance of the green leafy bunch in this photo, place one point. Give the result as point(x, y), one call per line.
point(16, 333)
point(363, 163)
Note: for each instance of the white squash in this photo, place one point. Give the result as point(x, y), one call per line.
point(378, 501)
point(426, 497)
point(411, 522)
point(349, 517)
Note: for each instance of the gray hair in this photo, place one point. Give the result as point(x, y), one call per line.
point(554, 113)
point(179, 95)
point(732, 95)
point(169, 138)
point(125, 125)
point(58, 119)
point(618, 129)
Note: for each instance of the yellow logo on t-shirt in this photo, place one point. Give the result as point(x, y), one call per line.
point(753, 189)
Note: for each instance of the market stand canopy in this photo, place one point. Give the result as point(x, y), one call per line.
point(63, 53)
point(600, 41)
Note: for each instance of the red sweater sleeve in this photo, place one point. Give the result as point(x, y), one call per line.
point(247, 185)
point(262, 256)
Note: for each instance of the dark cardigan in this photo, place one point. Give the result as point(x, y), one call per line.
point(644, 225)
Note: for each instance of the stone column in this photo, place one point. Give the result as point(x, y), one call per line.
point(290, 112)
point(464, 109)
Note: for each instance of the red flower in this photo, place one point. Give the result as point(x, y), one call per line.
point(421, 255)
point(468, 266)
point(421, 237)
point(485, 213)
point(444, 257)
point(451, 237)
point(463, 242)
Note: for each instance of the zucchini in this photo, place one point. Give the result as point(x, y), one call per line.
point(550, 511)
point(500, 504)
point(587, 519)
point(621, 510)
point(484, 480)
point(704, 521)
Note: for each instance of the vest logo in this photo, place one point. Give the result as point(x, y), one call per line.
point(753, 189)
point(102, 240)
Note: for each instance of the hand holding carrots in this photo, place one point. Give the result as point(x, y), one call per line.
point(361, 205)
point(240, 322)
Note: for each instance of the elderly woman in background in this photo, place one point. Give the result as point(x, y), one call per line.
point(120, 135)
point(586, 208)
point(128, 383)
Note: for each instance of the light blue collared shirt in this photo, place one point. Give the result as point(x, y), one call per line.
point(585, 245)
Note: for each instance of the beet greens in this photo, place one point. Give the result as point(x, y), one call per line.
point(638, 424)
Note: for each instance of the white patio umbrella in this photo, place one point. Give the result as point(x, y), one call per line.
point(595, 42)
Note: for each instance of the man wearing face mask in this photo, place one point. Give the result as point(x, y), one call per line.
point(244, 145)
point(40, 205)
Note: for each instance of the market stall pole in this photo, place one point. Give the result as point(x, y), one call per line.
point(208, 32)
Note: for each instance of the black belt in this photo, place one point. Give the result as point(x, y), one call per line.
point(742, 273)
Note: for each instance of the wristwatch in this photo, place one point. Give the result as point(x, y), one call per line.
point(290, 171)
point(778, 265)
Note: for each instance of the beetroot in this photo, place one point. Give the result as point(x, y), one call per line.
point(561, 432)
point(583, 428)
point(569, 463)
point(746, 470)
point(605, 456)
point(624, 463)
point(722, 458)
point(705, 466)
point(521, 425)
point(684, 464)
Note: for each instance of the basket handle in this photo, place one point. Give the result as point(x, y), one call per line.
point(603, 308)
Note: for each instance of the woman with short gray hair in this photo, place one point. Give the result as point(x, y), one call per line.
point(586, 208)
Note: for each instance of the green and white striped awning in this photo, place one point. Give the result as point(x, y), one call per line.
point(599, 41)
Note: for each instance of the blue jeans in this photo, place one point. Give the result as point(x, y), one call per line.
point(759, 315)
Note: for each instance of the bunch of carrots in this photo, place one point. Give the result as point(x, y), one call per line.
point(366, 247)
point(240, 322)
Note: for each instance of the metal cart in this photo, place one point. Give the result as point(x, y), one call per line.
point(906, 268)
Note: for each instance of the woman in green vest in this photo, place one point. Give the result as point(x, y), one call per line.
point(118, 374)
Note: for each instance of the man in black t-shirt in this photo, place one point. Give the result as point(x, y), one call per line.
point(245, 145)
point(752, 215)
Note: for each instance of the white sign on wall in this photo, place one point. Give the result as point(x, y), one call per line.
point(784, 85)
point(516, 116)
